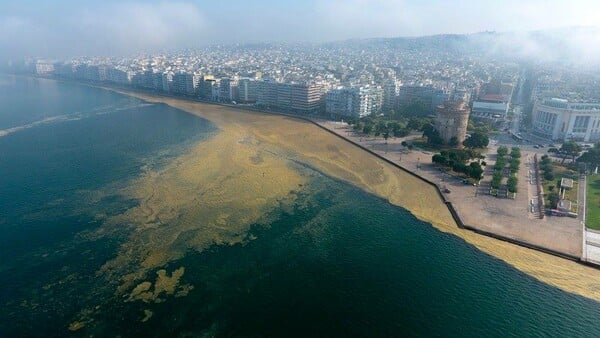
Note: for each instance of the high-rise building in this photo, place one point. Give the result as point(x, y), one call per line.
point(341, 101)
point(183, 83)
point(247, 90)
point(357, 102)
point(228, 90)
point(266, 93)
point(297, 97)
point(306, 97)
point(391, 90)
point(166, 81)
point(205, 87)
point(428, 96)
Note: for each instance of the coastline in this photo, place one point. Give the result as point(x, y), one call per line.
point(570, 276)
point(394, 185)
point(455, 215)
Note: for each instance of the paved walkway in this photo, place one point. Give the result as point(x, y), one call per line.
point(512, 218)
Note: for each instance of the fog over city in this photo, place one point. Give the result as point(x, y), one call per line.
point(69, 28)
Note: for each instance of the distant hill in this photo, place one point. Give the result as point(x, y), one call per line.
point(575, 45)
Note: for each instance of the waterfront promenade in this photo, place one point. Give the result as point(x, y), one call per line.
point(510, 219)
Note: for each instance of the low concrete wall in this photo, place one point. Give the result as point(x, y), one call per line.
point(452, 210)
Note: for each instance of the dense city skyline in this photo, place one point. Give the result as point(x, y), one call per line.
point(70, 28)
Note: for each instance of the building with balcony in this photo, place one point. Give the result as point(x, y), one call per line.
point(355, 102)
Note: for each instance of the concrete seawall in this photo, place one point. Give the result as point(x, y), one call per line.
point(453, 212)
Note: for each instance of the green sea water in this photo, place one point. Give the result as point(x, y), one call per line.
point(340, 262)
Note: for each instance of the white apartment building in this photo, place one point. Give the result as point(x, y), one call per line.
point(357, 102)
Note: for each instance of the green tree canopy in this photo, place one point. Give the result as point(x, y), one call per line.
point(433, 137)
point(415, 123)
point(477, 140)
point(512, 184)
point(570, 149)
point(476, 171)
point(592, 157)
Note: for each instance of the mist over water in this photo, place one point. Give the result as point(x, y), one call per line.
point(330, 260)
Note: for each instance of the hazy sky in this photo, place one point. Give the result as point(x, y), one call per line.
point(104, 27)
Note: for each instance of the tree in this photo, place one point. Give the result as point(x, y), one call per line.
point(546, 167)
point(592, 157)
point(545, 159)
point(512, 184)
point(570, 148)
point(514, 165)
point(502, 151)
point(496, 180)
point(380, 128)
point(477, 140)
point(453, 142)
point(367, 129)
point(402, 132)
point(351, 120)
point(500, 163)
point(462, 155)
point(398, 130)
point(553, 199)
point(415, 123)
point(439, 159)
point(476, 171)
point(433, 137)
point(516, 153)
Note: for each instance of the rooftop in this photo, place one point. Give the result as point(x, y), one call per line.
point(566, 183)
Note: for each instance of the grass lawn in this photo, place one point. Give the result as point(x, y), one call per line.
point(593, 202)
point(560, 171)
point(572, 194)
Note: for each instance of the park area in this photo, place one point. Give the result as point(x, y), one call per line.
point(593, 202)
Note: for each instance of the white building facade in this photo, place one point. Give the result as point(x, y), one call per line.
point(561, 120)
point(357, 102)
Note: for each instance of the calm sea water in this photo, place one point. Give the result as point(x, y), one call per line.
point(342, 263)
